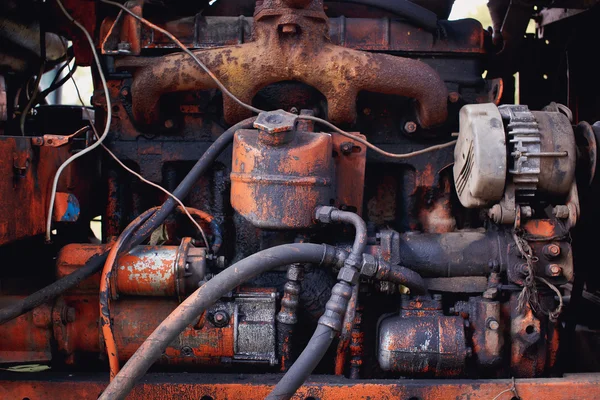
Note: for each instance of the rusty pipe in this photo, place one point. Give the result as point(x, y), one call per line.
point(306, 56)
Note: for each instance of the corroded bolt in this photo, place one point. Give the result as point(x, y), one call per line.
point(453, 97)
point(493, 324)
point(553, 270)
point(410, 127)
point(187, 351)
point(220, 318)
point(346, 148)
point(169, 124)
point(551, 250)
point(125, 91)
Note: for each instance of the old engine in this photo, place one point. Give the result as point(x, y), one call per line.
point(287, 188)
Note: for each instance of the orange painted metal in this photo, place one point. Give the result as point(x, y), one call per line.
point(279, 186)
point(304, 54)
point(252, 387)
point(26, 338)
point(25, 180)
point(350, 158)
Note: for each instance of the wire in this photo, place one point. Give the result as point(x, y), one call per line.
point(140, 177)
point(257, 110)
point(32, 98)
point(512, 388)
point(372, 146)
point(188, 52)
point(93, 145)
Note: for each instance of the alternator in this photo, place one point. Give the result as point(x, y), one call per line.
point(510, 158)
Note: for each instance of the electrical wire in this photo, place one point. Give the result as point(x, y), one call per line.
point(132, 172)
point(257, 110)
point(93, 145)
point(188, 52)
point(372, 146)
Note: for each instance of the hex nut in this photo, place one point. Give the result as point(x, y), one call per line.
point(295, 272)
point(551, 250)
point(349, 275)
point(323, 214)
point(368, 266)
point(410, 127)
point(275, 121)
point(554, 270)
point(493, 324)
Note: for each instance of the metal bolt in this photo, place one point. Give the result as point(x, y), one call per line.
point(493, 324)
point(554, 270)
point(169, 124)
point(187, 351)
point(561, 212)
point(453, 97)
point(410, 127)
point(367, 111)
point(346, 148)
point(551, 250)
point(220, 318)
point(125, 91)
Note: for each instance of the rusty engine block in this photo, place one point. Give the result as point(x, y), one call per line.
point(265, 170)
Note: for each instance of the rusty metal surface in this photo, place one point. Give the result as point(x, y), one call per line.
point(255, 387)
point(25, 180)
point(279, 186)
point(338, 73)
point(372, 34)
point(422, 341)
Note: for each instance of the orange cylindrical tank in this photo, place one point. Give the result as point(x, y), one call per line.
point(276, 183)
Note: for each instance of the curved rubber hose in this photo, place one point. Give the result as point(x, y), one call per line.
point(95, 263)
point(183, 189)
point(403, 8)
point(105, 290)
point(304, 365)
point(92, 266)
point(403, 276)
point(188, 311)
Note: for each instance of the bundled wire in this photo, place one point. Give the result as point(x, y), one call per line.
point(92, 146)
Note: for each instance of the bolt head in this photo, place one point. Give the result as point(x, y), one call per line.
point(275, 121)
point(453, 97)
point(493, 324)
point(323, 214)
point(349, 275)
point(368, 265)
point(554, 270)
point(346, 148)
point(410, 127)
point(551, 250)
point(221, 319)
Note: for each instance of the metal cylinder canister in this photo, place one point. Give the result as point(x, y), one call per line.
point(422, 341)
point(278, 180)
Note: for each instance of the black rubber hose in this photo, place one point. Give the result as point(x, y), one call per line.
point(403, 276)
point(403, 8)
point(96, 263)
point(304, 365)
point(48, 293)
point(188, 311)
point(183, 189)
